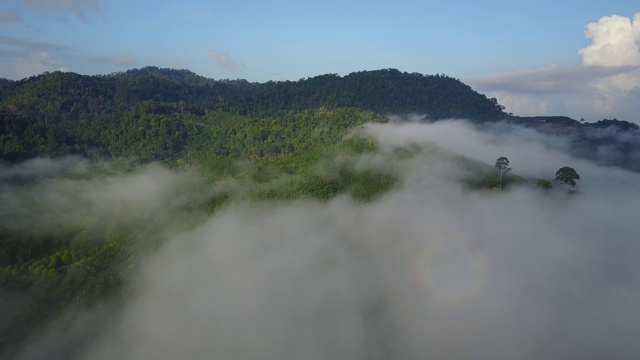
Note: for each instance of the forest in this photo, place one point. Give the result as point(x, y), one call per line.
point(157, 114)
point(69, 142)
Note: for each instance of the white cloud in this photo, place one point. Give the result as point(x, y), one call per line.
point(56, 199)
point(605, 85)
point(223, 59)
point(615, 41)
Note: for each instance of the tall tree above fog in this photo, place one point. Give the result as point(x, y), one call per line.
point(502, 163)
point(567, 176)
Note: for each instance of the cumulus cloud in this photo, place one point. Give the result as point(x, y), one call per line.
point(604, 85)
point(429, 270)
point(223, 59)
point(120, 60)
point(615, 41)
point(9, 16)
point(78, 8)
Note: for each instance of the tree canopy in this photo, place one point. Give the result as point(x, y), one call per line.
point(568, 176)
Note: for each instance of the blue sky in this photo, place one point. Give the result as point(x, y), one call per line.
point(526, 53)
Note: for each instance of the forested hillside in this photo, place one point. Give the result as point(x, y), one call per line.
point(156, 114)
point(161, 110)
point(96, 171)
point(67, 95)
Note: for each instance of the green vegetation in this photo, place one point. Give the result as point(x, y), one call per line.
point(490, 180)
point(567, 176)
point(72, 254)
point(158, 114)
point(227, 141)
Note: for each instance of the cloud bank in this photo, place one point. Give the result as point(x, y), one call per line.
point(428, 270)
point(605, 85)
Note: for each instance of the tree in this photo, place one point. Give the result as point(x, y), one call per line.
point(567, 176)
point(502, 163)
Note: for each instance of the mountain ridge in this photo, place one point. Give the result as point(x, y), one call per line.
point(385, 91)
point(57, 114)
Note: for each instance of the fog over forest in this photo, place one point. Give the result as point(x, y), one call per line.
point(430, 269)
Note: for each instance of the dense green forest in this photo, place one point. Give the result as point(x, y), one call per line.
point(164, 112)
point(228, 141)
point(157, 114)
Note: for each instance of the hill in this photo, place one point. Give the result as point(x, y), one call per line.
point(384, 91)
point(58, 114)
point(154, 114)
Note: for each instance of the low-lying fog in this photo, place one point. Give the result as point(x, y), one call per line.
point(429, 270)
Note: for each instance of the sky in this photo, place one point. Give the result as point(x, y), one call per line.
point(574, 58)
